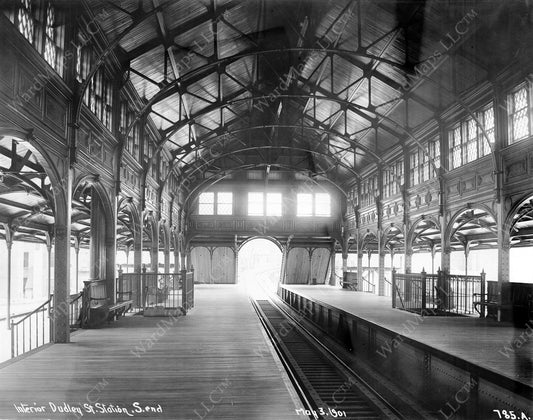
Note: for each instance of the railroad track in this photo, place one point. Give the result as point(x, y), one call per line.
point(327, 387)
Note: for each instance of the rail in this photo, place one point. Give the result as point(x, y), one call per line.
point(320, 375)
point(30, 332)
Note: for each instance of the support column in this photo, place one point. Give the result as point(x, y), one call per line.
point(381, 274)
point(9, 245)
point(167, 261)
point(189, 261)
point(501, 139)
point(504, 247)
point(381, 264)
point(467, 252)
point(359, 270)
point(503, 262)
point(236, 263)
point(176, 261)
point(49, 261)
point(236, 259)
point(61, 327)
point(137, 256)
point(184, 263)
point(310, 271)
point(97, 240)
point(127, 251)
point(433, 252)
point(110, 274)
point(408, 261)
point(445, 259)
point(344, 263)
point(332, 265)
point(154, 252)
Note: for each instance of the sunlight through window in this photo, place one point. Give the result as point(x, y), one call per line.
point(207, 203)
point(224, 203)
point(255, 204)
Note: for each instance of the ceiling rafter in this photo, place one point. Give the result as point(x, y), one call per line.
point(217, 176)
point(291, 148)
point(226, 130)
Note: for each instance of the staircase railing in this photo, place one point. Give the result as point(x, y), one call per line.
point(31, 331)
point(370, 287)
point(75, 304)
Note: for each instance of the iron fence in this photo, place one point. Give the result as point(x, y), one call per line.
point(436, 294)
point(167, 290)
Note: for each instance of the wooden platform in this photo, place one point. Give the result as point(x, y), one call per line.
point(215, 363)
point(498, 347)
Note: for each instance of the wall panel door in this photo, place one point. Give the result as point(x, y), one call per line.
point(320, 265)
point(223, 266)
point(201, 262)
point(298, 266)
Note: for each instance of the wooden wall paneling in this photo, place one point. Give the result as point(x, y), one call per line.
point(201, 261)
point(223, 266)
point(320, 264)
point(298, 266)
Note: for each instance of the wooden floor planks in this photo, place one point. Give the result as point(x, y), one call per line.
point(214, 363)
point(481, 341)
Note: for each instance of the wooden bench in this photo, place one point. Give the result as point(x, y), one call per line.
point(515, 303)
point(349, 281)
point(97, 308)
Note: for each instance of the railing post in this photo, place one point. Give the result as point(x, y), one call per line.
point(12, 340)
point(482, 292)
point(192, 286)
point(119, 287)
point(424, 288)
point(184, 303)
point(50, 306)
point(143, 283)
point(393, 285)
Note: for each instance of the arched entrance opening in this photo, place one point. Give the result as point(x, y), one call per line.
point(259, 265)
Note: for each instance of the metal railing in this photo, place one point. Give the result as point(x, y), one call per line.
point(162, 290)
point(368, 286)
point(75, 305)
point(32, 331)
point(129, 287)
point(387, 287)
point(436, 294)
point(188, 290)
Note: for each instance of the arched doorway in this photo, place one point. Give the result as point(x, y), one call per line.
point(259, 265)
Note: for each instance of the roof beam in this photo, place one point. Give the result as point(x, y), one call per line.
point(180, 29)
